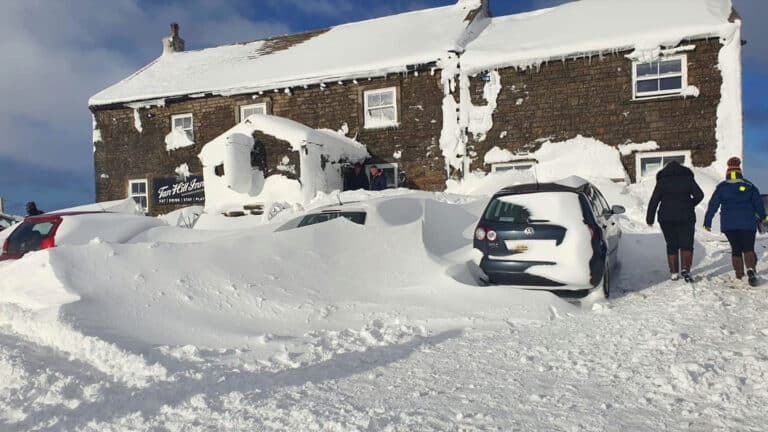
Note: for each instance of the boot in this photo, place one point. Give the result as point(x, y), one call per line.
point(738, 267)
point(751, 260)
point(687, 258)
point(674, 266)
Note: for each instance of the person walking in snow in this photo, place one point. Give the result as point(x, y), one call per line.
point(741, 209)
point(378, 180)
point(676, 196)
point(32, 209)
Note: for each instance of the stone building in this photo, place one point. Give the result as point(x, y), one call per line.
point(432, 92)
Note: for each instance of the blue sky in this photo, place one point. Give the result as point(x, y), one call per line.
point(63, 52)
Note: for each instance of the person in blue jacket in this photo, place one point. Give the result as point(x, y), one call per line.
point(741, 209)
point(378, 180)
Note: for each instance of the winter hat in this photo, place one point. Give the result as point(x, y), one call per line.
point(734, 168)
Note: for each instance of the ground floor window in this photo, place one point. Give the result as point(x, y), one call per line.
point(512, 166)
point(389, 171)
point(137, 189)
point(649, 163)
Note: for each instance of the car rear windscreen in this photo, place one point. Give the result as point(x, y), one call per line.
point(28, 236)
point(542, 207)
point(356, 217)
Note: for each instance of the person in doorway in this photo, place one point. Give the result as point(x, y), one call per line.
point(357, 178)
point(32, 209)
point(675, 197)
point(741, 209)
point(378, 180)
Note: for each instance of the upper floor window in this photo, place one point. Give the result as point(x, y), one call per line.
point(647, 164)
point(667, 76)
point(184, 122)
point(380, 108)
point(137, 189)
point(249, 110)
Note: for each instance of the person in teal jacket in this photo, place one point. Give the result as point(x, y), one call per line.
point(741, 210)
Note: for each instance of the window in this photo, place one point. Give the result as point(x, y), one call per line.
point(380, 108)
point(137, 189)
point(647, 164)
point(668, 76)
point(389, 171)
point(356, 217)
point(249, 110)
point(184, 122)
point(510, 166)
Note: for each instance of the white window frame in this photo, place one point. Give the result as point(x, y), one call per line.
point(662, 154)
point(513, 165)
point(683, 74)
point(191, 130)
point(145, 195)
point(262, 105)
point(382, 167)
point(368, 120)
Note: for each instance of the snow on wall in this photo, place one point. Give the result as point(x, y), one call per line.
point(137, 120)
point(580, 156)
point(177, 139)
point(629, 148)
point(729, 113)
point(479, 119)
point(182, 171)
point(498, 155)
point(96, 132)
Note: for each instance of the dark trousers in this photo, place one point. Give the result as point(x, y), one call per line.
point(741, 241)
point(679, 236)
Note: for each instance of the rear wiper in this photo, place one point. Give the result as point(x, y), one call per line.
point(537, 221)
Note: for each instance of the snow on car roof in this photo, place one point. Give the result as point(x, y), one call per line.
point(593, 27)
point(357, 50)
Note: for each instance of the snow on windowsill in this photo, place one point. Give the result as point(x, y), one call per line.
point(372, 124)
point(177, 139)
point(690, 91)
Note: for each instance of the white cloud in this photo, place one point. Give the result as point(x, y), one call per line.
point(57, 54)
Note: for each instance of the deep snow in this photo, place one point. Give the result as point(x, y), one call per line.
point(342, 327)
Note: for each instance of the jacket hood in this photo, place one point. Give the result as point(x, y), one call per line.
point(674, 169)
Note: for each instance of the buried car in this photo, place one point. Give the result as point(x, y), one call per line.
point(73, 228)
point(562, 237)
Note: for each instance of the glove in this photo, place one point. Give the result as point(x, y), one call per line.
point(708, 229)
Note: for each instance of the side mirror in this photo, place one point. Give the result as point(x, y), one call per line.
point(618, 210)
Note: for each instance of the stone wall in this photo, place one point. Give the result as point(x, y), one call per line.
point(590, 97)
point(125, 153)
point(593, 98)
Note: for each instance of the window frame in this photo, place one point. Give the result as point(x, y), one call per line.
point(382, 167)
point(191, 130)
point(513, 165)
point(639, 156)
point(367, 118)
point(145, 195)
point(683, 74)
point(242, 108)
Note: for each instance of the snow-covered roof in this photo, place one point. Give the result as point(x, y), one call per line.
point(593, 26)
point(335, 145)
point(356, 50)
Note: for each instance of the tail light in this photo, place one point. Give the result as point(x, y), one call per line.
point(594, 232)
point(486, 234)
point(47, 243)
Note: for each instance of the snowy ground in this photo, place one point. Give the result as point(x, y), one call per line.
point(338, 327)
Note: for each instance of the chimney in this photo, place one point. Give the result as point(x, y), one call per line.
point(173, 43)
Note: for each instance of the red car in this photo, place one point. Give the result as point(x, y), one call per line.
point(73, 228)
